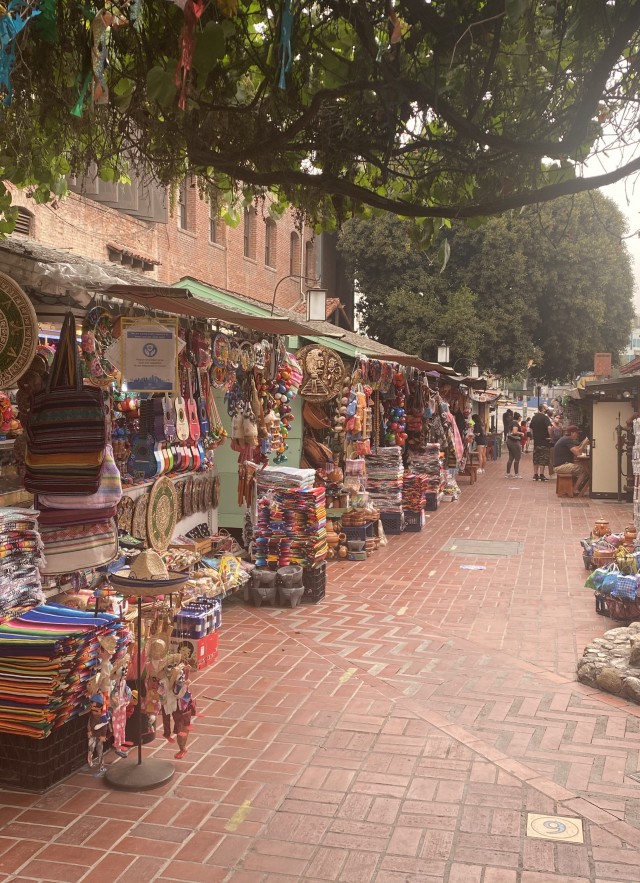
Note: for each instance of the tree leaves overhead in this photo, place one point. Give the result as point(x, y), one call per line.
point(552, 284)
point(429, 110)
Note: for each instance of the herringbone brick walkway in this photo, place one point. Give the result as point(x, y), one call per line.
point(397, 732)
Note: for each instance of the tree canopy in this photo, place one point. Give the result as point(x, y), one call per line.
point(553, 284)
point(430, 110)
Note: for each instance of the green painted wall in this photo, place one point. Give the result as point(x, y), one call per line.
point(229, 513)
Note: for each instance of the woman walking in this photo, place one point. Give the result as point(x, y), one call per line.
point(514, 446)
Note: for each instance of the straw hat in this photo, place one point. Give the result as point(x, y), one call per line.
point(148, 575)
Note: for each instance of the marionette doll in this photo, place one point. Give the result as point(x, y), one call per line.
point(183, 714)
point(173, 689)
point(97, 729)
point(119, 701)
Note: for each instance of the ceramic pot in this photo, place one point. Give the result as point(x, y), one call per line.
point(342, 552)
point(292, 594)
point(356, 545)
point(290, 577)
point(630, 534)
point(601, 528)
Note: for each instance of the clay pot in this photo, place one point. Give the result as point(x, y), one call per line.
point(630, 534)
point(292, 594)
point(342, 552)
point(601, 528)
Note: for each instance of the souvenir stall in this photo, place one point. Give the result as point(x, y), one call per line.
point(115, 429)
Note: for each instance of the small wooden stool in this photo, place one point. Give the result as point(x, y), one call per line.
point(564, 484)
point(471, 471)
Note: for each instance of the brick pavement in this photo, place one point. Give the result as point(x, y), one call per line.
point(397, 732)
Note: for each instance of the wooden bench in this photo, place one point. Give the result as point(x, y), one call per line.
point(564, 484)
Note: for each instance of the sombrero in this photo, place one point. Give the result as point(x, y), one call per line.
point(148, 575)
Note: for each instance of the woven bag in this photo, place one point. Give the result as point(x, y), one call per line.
point(67, 417)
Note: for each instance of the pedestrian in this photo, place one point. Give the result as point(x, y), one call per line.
point(555, 433)
point(565, 451)
point(507, 420)
point(481, 442)
point(514, 446)
point(526, 435)
point(540, 425)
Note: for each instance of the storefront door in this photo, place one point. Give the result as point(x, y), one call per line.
point(604, 456)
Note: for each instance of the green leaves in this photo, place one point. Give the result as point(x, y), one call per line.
point(161, 84)
point(210, 48)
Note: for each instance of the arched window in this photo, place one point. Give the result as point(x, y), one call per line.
point(249, 233)
point(309, 262)
point(24, 224)
point(270, 234)
point(294, 255)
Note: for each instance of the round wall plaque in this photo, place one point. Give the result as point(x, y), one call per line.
point(161, 513)
point(18, 332)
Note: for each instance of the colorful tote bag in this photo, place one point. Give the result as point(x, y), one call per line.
point(67, 417)
point(109, 492)
point(74, 547)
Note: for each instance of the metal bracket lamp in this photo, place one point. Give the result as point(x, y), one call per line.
point(474, 371)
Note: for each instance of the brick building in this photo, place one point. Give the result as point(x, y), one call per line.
point(132, 226)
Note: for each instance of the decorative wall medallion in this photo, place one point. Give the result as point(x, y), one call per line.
point(18, 332)
point(161, 513)
point(322, 373)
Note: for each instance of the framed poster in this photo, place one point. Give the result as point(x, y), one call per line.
point(149, 354)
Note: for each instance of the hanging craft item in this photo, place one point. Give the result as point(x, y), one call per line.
point(161, 514)
point(18, 332)
point(286, 24)
point(125, 514)
point(322, 373)
point(139, 522)
point(96, 337)
point(15, 16)
point(193, 9)
point(108, 17)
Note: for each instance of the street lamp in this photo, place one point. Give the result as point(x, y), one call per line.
point(474, 371)
point(297, 278)
point(316, 304)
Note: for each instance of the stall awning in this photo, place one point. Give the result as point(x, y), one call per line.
point(182, 302)
point(412, 362)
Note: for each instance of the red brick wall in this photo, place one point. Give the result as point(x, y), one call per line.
point(85, 227)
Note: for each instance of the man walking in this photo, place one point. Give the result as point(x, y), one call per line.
point(539, 428)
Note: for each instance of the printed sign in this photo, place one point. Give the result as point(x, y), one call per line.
point(149, 355)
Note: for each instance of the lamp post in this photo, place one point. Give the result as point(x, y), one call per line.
point(297, 278)
point(474, 371)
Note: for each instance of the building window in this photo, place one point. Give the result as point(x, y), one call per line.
point(183, 216)
point(309, 267)
point(270, 232)
point(213, 225)
point(294, 255)
point(24, 222)
point(249, 233)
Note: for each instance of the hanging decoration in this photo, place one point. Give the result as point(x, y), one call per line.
point(18, 332)
point(286, 25)
point(193, 10)
point(13, 18)
point(322, 373)
point(109, 17)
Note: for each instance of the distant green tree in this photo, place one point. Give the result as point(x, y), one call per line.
point(552, 284)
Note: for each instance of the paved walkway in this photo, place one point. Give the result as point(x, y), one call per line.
point(399, 731)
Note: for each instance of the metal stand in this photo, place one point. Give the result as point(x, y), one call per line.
point(132, 775)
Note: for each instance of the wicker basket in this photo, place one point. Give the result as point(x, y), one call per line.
point(603, 556)
point(623, 611)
